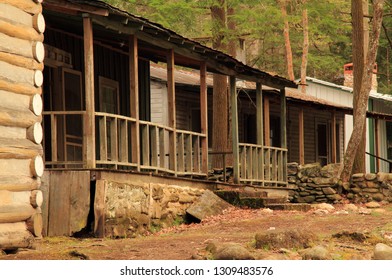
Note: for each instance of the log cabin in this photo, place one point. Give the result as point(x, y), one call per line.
point(100, 141)
point(21, 155)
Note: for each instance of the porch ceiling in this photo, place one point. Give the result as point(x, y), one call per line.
point(113, 26)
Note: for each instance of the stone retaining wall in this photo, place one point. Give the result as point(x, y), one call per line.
point(312, 183)
point(133, 209)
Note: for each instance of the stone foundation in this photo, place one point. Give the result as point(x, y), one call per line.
point(134, 209)
point(312, 183)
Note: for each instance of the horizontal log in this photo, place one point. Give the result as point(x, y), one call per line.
point(21, 118)
point(11, 197)
point(19, 149)
point(21, 61)
point(15, 236)
point(16, 213)
point(19, 88)
point(36, 105)
point(30, 7)
point(39, 51)
point(20, 75)
point(35, 133)
point(39, 23)
point(13, 14)
point(37, 166)
point(14, 100)
point(36, 198)
point(19, 183)
point(19, 167)
point(20, 32)
point(12, 45)
point(35, 224)
point(13, 132)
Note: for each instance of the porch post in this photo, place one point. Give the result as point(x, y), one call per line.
point(172, 111)
point(266, 121)
point(283, 130)
point(234, 123)
point(334, 152)
point(301, 136)
point(204, 117)
point(377, 143)
point(260, 130)
point(89, 119)
point(134, 99)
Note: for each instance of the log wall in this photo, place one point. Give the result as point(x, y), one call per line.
point(21, 166)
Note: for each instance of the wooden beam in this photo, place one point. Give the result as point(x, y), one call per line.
point(234, 123)
point(172, 110)
point(283, 119)
point(266, 121)
point(301, 136)
point(204, 117)
point(89, 119)
point(377, 143)
point(259, 114)
point(66, 6)
point(28, 6)
point(134, 99)
point(333, 124)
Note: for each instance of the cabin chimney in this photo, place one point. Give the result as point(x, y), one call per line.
point(349, 77)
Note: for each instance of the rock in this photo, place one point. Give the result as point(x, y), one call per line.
point(382, 252)
point(334, 197)
point(324, 206)
point(378, 197)
point(310, 170)
point(309, 198)
point(364, 211)
point(291, 239)
point(382, 176)
point(370, 176)
point(373, 204)
point(330, 170)
point(208, 204)
point(267, 211)
point(324, 181)
point(358, 177)
point(329, 190)
point(321, 212)
point(230, 251)
point(316, 253)
point(292, 168)
point(341, 212)
point(350, 207)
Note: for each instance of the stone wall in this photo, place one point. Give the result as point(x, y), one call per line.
point(134, 209)
point(311, 183)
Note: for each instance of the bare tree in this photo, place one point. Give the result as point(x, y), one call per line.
point(305, 47)
point(286, 35)
point(362, 96)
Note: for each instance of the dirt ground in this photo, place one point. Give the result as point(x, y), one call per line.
point(234, 226)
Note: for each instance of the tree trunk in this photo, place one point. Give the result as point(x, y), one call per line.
point(305, 48)
point(219, 103)
point(286, 35)
point(362, 98)
point(360, 41)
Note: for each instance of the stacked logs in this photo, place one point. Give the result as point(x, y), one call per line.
point(21, 164)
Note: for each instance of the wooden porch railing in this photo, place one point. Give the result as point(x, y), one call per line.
point(114, 144)
point(263, 165)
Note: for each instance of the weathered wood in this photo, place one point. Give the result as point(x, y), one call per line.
point(377, 143)
point(266, 121)
point(30, 7)
point(123, 153)
point(15, 213)
point(14, 198)
point(20, 47)
point(154, 145)
point(21, 32)
point(21, 61)
point(79, 200)
point(15, 236)
point(39, 23)
point(171, 97)
point(234, 123)
point(39, 51)
point(334, 151)
point(99, 208)
point(36, 198)
point(204, 117)
point(260, 130)
point(18, 149)
point(301, 136)
point(35, 133)
point(35, 224)
point(103, 145)
point(24, 118)
point(15, 101)
point(145, 138)
point(134, 98)
point(15, 15)
point(37, 166)
point(36, 105)
point(20, 75)
point(18, 183)
point(89, 120)
point(26, 89)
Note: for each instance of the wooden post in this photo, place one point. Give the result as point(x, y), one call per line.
point(377, 144)
point(134, 99)
point(260, 130)
point(334, 152)
point(283, 130)
point(266, 121)
point(172, 111)
point(204, 117)
point(89, 119)
point(301, 136)
point(234, 123)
